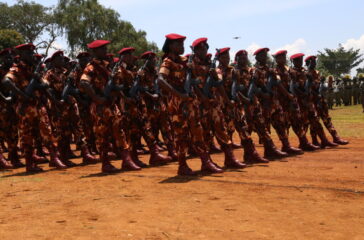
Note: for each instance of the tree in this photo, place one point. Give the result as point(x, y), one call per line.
point(339, 61)
point(10, 38)
point(35, 22)
point(83, 21)
point(359, 70)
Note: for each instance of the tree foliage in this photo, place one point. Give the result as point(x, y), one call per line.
point(339, 61)
point(83, 21)
point(10, 38)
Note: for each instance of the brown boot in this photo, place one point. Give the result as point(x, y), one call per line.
point(4, 164)
point(55, 161)
point(230, 159)
point(87, 158)
point(107, 167)
point(30, 165)
point(207, 166)
point(172, 153)
point(39, 159)
point(315, 140)
point(271, 151)
point(324, 141)
point(13, 157)
point(289, 149)
point(337, 139)
point(214, 148)
point(250, 153)
point(157, 159)
point(69, 153)
point(128, 163)
point(183, 168)
point(307, 146)
point(63, 154)
point(136, 160)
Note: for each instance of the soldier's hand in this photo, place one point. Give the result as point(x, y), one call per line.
point(290, 96)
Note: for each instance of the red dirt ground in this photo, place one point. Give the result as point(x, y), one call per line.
point(314, 196)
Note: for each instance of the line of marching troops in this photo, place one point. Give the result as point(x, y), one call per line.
point(345, 91)
point(106, 105)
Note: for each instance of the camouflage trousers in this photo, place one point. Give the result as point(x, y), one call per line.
point(293, 116)
point(66, 121)
point(310, 117)
point(236, 120)
point(9, 126)
point(138, 122)
point(87, 124)
point(158, 115)
point(34, 121)
point(323, 113)
point(213, 123)
point(108, 126)
point(256, 122)
point(186, 125)
point(274, 116)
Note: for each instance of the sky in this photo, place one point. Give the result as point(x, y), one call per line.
point(295, 25)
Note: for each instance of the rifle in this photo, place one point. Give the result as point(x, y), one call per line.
point(35, 83)
point(136, 85)
point(111, 86)
point(210, 81)
point(70, 89)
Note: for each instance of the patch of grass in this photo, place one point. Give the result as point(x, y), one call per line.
point(349, 121)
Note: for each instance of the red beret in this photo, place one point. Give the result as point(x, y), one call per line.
point(83, 54)
point(97, 44)
point(47, 60)
point(110, 55)
point(209, 55)
point(147, 55)
point(261, 50)
point(26, 46)
point(280, 52)
point(174, 36)
point(198, 41)
point(116, 59)
point(38, 56)
point(126, 50)
point(187, 55)
point(310, 57)
point(6, 51)
point(297, 55)
point(56, 54)
point(223, 50)
point(241, 52)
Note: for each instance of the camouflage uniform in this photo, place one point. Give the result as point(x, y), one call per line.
point(310, 116)
point(322, 108)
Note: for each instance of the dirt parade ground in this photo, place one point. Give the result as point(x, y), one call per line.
point(317, 195)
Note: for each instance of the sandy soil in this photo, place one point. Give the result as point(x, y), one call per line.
point(314, 196)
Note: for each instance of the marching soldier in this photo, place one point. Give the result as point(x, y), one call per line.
point(106, 114)
point(8, 119)
point(320, 101)
point(31, 110)
point(182, 107)
point(302, 88)
point(65, 116)
point(155, 107)
point(137, 122)
point(288, 100)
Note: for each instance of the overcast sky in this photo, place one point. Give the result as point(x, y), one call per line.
point(295, 25)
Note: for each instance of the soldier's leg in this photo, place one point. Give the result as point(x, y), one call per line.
point(80, 137)
point(250, 153)
point(279, 124)
point(323, 113)
point(48, 137)
point(270, 150)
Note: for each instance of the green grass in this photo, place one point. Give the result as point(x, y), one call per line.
point(349, 121)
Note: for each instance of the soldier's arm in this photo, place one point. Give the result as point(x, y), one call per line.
point(10, 86)
point(86, 87)
point(162, 83)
